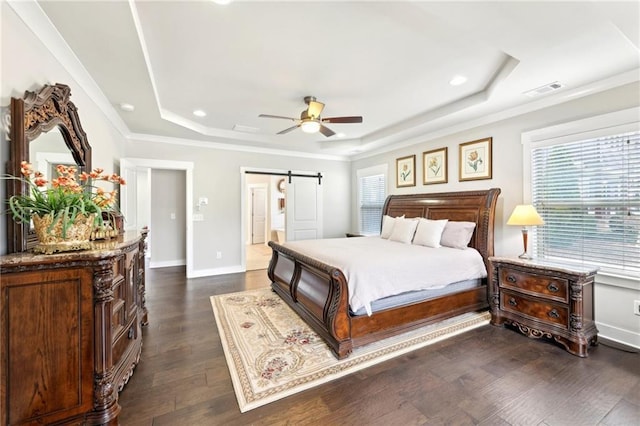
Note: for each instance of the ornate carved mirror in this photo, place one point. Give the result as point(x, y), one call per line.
point(49, 117)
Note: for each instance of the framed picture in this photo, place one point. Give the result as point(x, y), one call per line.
point(475, 160)
point(406, 171)
point(434, 166)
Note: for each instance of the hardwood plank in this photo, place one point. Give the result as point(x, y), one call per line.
point(490, 375)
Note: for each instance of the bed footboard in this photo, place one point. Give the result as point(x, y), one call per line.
point(317, 292)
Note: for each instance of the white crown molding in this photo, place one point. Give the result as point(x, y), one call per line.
point(229, 147)
point(39, 23)
point(545, 102)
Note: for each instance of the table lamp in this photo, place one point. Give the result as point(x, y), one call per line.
point(525, 215)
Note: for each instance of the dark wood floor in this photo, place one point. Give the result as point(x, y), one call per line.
point(488, 376)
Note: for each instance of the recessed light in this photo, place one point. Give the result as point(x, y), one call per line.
point(458, 80)
point(127, 107)
point(222, 2)
point(340, 135)
point(199, 113)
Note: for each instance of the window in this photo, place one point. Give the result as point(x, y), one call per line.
point(371, 197)
point(587, 189)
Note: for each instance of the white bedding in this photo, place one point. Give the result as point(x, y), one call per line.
point(377, 268)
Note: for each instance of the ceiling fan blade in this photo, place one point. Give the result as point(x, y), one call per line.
point(288, 130)
point(354, 119)
point(315, 108)
point(276, 116)
point(326, 131)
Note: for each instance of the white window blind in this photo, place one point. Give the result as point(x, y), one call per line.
point(588, 193)
point(371, 190)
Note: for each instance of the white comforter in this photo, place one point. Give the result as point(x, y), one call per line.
point(377, 268)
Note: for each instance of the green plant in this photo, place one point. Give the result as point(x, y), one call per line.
point(65, 198)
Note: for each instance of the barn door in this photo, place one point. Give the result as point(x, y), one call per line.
point(303, 209)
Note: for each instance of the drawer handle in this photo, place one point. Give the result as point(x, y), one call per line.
point(552, 287)
point(513, 302)
point(554, 314)
point(511, 278)
point(130, 334)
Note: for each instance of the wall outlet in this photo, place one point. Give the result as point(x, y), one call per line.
point(636, 307)
point(218, 255)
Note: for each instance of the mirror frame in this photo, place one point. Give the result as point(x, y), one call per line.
point(37, 113)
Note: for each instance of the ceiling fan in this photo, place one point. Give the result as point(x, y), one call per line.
point(310, 120)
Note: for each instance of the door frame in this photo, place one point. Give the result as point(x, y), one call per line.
point(267, 214)
point(187, 166)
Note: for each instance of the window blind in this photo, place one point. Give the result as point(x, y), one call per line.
point(371, 190)
point(588, 193)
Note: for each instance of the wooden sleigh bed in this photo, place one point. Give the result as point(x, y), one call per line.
point(318, 292)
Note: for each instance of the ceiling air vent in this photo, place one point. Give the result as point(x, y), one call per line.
point(245, 129)
point(544, 89)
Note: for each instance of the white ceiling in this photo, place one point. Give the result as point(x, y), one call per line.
point(387, 61)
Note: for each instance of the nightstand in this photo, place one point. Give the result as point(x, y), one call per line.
point(544, 299)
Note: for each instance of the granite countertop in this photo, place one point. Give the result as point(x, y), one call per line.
point(100, 249)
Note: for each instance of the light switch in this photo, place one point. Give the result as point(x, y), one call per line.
point(173, 216)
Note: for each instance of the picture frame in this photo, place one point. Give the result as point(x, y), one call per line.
point(475, 160)
point(406, 171)
point(434, 166)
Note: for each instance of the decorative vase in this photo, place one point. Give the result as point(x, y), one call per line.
point(52, 240)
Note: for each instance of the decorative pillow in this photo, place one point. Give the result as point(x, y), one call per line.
point(403, 230)
point(387, 225)
point(429, 232)
point(457, 234)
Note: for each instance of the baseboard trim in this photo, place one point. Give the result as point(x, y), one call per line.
point(215, 271)
point(618, 336)
point(167, 263)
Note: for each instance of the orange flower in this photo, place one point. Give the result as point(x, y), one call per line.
point(70, 194)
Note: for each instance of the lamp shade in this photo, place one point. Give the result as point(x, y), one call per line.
point(525, 215)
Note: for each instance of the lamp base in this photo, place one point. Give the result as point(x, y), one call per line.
point(526, 256)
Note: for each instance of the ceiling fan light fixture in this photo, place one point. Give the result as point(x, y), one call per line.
point(310, 126)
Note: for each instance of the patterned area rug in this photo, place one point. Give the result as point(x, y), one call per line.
point(271, 353)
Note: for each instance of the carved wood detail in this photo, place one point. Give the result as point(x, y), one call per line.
point(83, 391)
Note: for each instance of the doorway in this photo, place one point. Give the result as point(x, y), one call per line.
point(258, 219)
point(286, 219)
point(136, 172)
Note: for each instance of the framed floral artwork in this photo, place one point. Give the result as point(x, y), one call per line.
point(475, 160)
point(406, 171)
point(434, 166)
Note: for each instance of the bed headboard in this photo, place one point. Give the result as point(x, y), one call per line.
point(468, 206)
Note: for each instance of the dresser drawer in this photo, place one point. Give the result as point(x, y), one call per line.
point(124, 337)
point(548, 312)
point(552, 288)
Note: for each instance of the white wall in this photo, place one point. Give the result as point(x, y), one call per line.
point(217, 176)
point(613, 302)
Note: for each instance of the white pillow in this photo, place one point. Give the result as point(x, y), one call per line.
point(387, 225)
point(429, 232)
point(457, 234)
point(403, 230)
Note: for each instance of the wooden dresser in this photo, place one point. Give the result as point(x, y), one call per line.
point(71, 332)
point(544, 299)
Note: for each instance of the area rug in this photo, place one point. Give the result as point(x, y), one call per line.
point(271, 353)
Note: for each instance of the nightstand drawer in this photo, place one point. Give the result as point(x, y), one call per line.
point(551, 313)
point(536, 285)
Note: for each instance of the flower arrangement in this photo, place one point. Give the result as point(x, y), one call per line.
point(66, 198)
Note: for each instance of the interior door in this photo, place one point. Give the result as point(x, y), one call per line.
point(303, 209)
point(129, 194)
point(258, 215)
